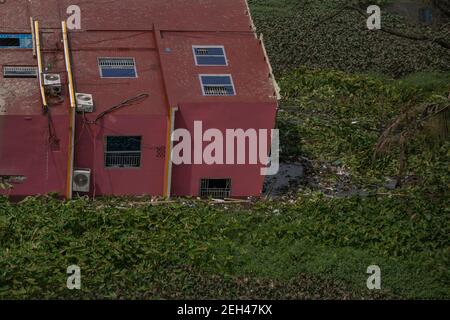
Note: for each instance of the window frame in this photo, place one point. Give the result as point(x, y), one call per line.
point(122, 168)
point(19, 36)
point(210, 46)
point(217, 75)
point(117, 58)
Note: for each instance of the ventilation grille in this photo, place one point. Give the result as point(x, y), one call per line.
point(20, 72)
point(161, 152)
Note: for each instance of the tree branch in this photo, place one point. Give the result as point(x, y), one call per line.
point(439, 41)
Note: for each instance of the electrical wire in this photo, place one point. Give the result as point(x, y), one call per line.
point(125, 103)
point(143, 145)
point(52, 136)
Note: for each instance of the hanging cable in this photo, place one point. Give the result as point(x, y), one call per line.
point(52, 136)
point(123, 104)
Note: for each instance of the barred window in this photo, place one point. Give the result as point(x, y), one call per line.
point(217, 85)
point(210, 56)
point(123, 152)
point(215, 188)
point(117, 67)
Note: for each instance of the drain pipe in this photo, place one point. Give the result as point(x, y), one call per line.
point(169, 165)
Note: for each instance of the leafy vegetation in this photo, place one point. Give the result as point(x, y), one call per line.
point(301, 33)
point(335, 117)
point(313, 247)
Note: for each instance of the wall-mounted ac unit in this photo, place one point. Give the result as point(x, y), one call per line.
point(85, 102)
point(82, 180)
point(52, 83)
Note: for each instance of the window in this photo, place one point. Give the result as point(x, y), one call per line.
point(217, 85)
point(426, 15)
point(215, 188)
point(16, 41)
point(210, 56)
point(123, 152)
point(20, 72)
point(117, 67)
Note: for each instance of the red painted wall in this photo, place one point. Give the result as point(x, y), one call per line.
point(254, 105)
point(26, 151)
point(147, 180)
point(147, 119)
point(246, 179)
point(159, 35)
point(25, 148)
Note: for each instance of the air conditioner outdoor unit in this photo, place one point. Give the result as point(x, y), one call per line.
point(52, 83)
point(85, 102)
point(82, 180)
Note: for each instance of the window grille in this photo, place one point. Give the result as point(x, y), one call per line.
point(117, 67)
point(123, 152)
point(210, 56)
point(217, 85)
point(215, 188)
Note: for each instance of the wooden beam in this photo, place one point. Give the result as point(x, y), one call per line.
point(40, 68)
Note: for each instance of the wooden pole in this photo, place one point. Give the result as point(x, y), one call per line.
point(72, 113)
